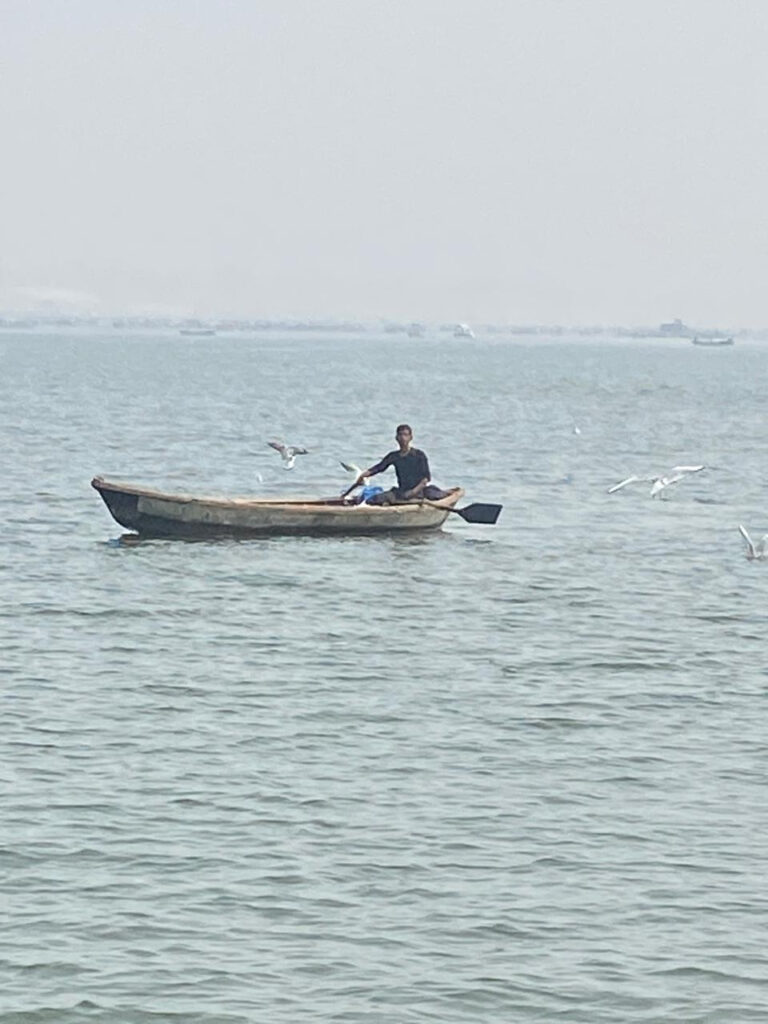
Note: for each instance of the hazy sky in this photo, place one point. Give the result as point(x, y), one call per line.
point(585, 161)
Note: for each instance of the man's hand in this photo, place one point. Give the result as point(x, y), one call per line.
point(354, 485)
point(415, 492)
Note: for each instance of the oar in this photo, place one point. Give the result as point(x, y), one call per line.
point(475, 513)
point(478, 513)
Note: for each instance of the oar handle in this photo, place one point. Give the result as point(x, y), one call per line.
point(355, 485)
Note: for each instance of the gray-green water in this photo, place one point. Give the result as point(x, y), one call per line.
point(494, 774)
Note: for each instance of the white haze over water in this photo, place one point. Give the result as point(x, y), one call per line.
point(494, 160)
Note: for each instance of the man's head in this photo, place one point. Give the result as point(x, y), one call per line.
point(404, 436)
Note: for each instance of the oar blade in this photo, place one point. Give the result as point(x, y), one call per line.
point(479, 513)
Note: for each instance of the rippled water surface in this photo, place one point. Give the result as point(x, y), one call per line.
point(497, 774)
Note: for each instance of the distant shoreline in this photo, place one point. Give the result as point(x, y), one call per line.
point(229, 325)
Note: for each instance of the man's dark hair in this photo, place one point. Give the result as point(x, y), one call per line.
point(403, 426)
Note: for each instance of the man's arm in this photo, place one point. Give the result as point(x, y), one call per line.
point(414, 492)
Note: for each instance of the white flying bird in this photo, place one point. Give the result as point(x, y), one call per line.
point(358, 474)
point(352, 468)
point(658, 483)
point(755, 552)
point(288, 452)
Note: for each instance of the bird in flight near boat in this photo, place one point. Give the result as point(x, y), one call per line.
point(755, 552)
point(352, 468)
point(658, 483)
point(288, 452)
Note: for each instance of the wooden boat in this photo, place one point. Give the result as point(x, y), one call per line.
point(158, 514)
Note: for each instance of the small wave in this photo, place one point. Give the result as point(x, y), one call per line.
point(707, 973)
point(86, 1012)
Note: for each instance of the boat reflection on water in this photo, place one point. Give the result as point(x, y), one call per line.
point(398, 541)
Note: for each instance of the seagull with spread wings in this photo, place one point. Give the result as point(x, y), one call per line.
point(658, 483)
point(288, 452)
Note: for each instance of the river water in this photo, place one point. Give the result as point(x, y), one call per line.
point(511, 773)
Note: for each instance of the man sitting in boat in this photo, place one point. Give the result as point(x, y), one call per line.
point(412, 469)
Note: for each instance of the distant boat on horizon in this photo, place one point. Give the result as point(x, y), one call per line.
point(675, 329)
point(197, 331)
point(712, 342)
point(463, 331)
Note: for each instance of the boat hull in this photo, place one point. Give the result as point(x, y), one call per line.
point(157, 514)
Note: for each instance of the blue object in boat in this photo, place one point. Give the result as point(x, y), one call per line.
point(368, 492)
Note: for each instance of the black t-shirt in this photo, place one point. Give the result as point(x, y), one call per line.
point(411, 467)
